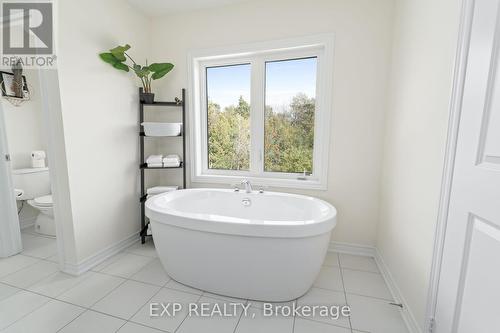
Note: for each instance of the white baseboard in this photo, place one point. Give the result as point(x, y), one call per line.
point(406, 313)
point(355, 249)
point(95, 259)
point(371, 251)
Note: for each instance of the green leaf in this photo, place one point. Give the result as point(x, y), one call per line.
point(121, 66)
point(109, 58)
point(160, 70)
point(159, 75)
point(141, 72)
point(118, 52)
point(160, 67)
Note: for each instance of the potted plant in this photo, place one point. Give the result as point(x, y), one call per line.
point(117, 58)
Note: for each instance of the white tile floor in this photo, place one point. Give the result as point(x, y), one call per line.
point(115, 297)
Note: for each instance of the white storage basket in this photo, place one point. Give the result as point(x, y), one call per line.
point(162, 129)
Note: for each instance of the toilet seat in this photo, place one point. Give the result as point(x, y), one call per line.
point(44, 201)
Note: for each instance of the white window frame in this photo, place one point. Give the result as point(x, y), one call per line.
point(320, 46)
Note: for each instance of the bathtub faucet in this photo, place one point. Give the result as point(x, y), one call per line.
point(248, 186)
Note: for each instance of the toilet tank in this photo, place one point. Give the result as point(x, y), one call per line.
point(35, 182)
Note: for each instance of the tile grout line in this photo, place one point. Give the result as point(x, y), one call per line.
point(148, 283)
point(351, 293)
point(39, 258)
point(138, 254)
point(16, 271)
point(140, 307)
point(322, 288)
point(105, 295)
point(323, 322)
point(130, 278)
point(119, 328)
point(115, 258)
point(372, 297)
point(357, 269)
point(239, 319)
point(43, 246)
point(25, 315)
point(146, 326)
point(345, 293)
point(35, 234)
point(183, 320)
point(85, 308)
point(360, 270)
point(52, 298)
point(84, 311)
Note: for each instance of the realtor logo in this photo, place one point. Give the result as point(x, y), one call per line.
point(27, 28)
point(27, 35)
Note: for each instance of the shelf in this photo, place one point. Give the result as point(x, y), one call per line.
point(180, 105)
point(163, 103)
point(163, 136)
point(144, 231)
point(145, 166)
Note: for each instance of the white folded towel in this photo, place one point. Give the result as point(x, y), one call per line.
point(154, 159)
point(155, 165)
point(161, 189)
point(171, 164)
point(171, 158)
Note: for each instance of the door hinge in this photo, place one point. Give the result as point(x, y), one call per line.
point(432, 325)
point(7, 157)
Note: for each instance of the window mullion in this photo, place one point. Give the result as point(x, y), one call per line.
point(257, 117)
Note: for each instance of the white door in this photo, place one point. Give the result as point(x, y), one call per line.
point(469, 285)
point(10, 234)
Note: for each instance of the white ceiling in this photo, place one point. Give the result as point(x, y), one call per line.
point(165, 7)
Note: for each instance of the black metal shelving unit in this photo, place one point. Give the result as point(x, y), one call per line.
point(143, 165)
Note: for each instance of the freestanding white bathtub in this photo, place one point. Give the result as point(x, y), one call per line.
point(261, 246)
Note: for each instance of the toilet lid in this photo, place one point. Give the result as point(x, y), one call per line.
point(45, 200)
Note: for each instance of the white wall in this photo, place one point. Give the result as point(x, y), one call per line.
point(23, 124)
point(425, 35)
point(100, 115)
point(24, 134)
point(362, 51)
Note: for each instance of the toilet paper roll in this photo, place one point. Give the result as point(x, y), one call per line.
point(38, 163)
point(38, 154)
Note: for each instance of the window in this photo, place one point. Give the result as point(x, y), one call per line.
point(228, 117)
point(289, 115)
point(262, 112)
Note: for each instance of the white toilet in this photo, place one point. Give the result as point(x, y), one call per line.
point(35, 185)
